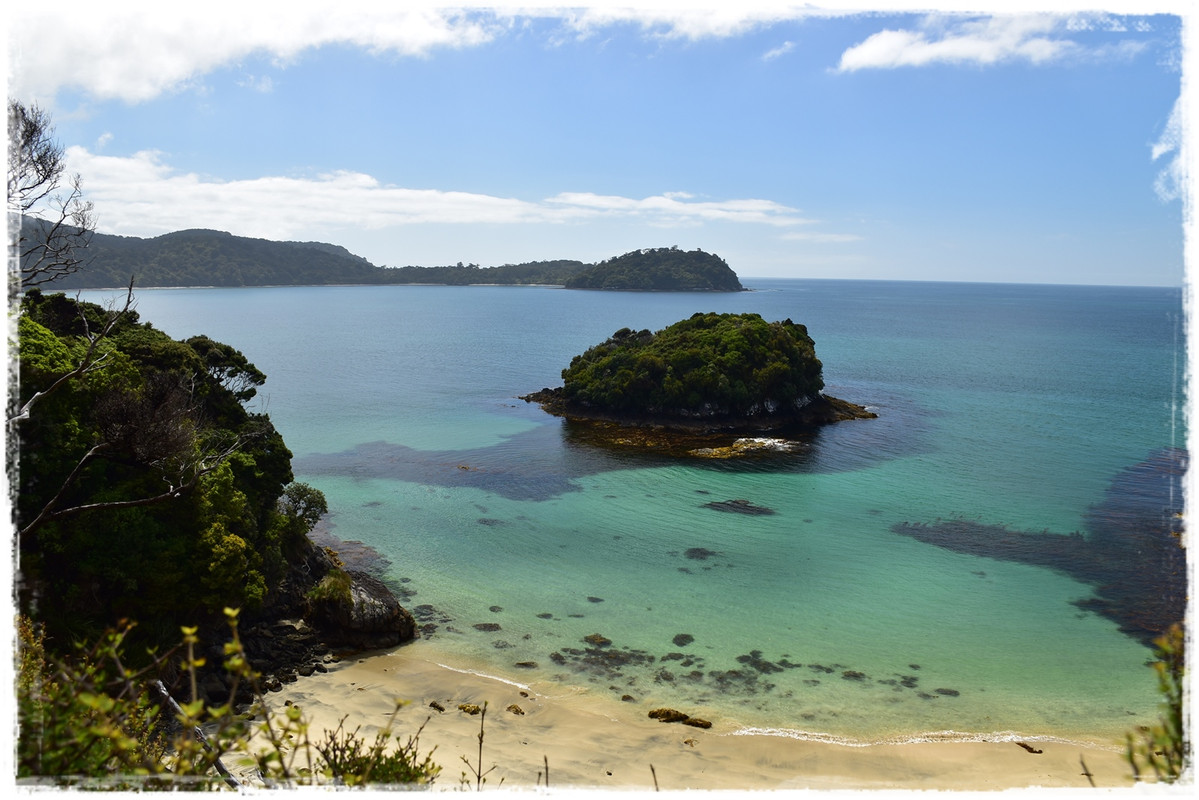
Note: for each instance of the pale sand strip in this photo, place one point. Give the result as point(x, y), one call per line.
point(597, 743)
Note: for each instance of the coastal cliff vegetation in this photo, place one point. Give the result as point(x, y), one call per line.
point(146, 488)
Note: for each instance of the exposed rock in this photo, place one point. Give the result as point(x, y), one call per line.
point(517, 710)
point(373, 618)
point(470, 708)
point(696, 722)
point(668, 715)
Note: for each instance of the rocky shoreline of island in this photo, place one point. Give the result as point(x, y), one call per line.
point(712, 436)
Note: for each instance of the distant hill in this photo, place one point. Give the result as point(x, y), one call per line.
point(663, 269)
point(202, 257)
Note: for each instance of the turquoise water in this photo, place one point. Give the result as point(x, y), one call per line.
point(1000, 404)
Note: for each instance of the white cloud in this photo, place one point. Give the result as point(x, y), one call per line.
point(783, 49)
point(133, 51)
point(685, 20)
point(1170, 179)
point(142, 195)
point(1035, 38)
point(258, 83)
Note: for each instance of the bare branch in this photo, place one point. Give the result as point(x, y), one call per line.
point(49, 230)
point(189, 475)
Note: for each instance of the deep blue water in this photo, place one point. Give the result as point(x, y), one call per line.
point(1001, 405)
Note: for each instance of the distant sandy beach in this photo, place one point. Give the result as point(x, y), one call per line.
point(596, 743)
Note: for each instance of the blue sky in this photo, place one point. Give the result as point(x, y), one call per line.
point(895, 144)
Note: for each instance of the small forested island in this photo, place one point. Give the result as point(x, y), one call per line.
point(662, 269)
point(712, 373)
point(200, 257)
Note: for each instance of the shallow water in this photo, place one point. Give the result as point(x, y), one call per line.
point(1013, 406)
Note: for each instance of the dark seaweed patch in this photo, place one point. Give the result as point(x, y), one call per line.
point(1132, 554)
point(754, 659)
point(739, 507)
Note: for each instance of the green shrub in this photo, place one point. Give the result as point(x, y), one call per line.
point(334, 588)
point(85, 721)
point(1163, 749)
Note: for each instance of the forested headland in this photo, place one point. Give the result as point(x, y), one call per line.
point(215, 258)
point(164, 573)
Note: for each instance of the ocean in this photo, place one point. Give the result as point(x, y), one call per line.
point(528, 552)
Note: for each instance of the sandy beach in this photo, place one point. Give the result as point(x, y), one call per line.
point(599, 744)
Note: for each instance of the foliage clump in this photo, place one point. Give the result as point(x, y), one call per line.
point(146, 487)
point(661, 269)
point(711, 365)
point(1163, 749)
point(86, 720)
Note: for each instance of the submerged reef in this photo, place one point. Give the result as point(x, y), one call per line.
point(1132, 553)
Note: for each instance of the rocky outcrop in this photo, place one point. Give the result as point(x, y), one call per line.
point(293, 636)
point(370, 618)
point(820, 410)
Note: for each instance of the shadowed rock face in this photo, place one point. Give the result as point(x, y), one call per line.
point(1132, 553)
point(372, 619)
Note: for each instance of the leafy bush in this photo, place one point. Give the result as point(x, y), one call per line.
point(333, 588)
point(87, 721)
point(1163, 749)
point(146, 488)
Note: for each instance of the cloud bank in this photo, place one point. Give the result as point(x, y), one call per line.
point(1035, 39)
point(133, 51)
point(141, 195)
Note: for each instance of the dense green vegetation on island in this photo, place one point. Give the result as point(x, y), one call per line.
point(663, 269)
point(215, 258)
point(711, 365)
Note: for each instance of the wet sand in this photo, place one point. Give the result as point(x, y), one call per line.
point(598, 743)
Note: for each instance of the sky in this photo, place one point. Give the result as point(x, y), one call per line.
point(1044, 144)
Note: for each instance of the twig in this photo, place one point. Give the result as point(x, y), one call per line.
point(478, 770)
point(655, 774)
point(228, 776)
